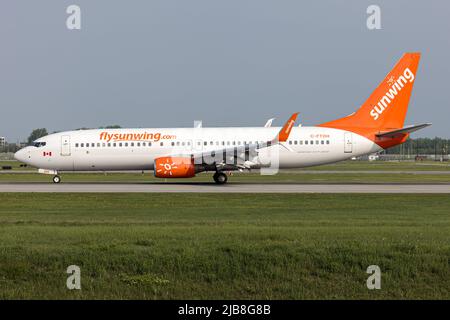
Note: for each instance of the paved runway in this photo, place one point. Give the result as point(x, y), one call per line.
point(228, 188)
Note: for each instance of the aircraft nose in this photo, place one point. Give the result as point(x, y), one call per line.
point(21, 155)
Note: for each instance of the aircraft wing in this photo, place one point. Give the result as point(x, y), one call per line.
point(237, 156)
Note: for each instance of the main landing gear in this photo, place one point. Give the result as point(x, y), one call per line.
point(56, 179)
point(220, 177)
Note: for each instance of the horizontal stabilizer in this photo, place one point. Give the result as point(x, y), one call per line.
point(405, 130)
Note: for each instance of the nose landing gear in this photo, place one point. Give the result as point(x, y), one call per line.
point(56, 179)
point(220, 177)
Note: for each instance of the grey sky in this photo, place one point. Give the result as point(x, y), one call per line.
point(167, 63)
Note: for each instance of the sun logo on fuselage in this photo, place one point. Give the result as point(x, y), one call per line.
point(167, 167)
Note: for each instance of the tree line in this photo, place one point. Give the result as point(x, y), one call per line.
point(422, 146)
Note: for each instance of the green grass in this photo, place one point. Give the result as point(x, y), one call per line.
point(212, 246)
point(15, 166)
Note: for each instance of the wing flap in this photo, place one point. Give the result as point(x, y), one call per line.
point(243, 152)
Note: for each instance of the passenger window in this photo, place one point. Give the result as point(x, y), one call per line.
point(76, 145)
point(301, 142)
point(211, 143)
point(103, 144)
point(182, 144)
point(98, 144)
point(328, 141)
point(139, 144)
point(234, 143)
point(120, 144)
point(178, 143)
point(306, 141)
point(109, 144)
point(149, 144)
point(205, 143)
point(161, 144)
point(173, 144)
point(322, 142)
point(290, 142)
point(295, 141)
point(132, 144)
point(114, 144)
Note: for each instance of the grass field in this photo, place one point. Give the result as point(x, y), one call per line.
point(212, 246)
point(15, 165)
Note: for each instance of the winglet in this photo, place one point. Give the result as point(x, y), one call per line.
point(269, 123)
point(284, 133)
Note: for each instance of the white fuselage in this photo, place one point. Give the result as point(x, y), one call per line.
point(136, 149)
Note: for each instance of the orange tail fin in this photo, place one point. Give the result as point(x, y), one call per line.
point(386, 107)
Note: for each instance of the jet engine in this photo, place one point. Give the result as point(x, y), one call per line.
point(174, 167)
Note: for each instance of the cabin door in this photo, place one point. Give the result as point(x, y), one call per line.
point(65, 145)
point(348, 142)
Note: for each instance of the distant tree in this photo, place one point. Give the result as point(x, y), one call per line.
point(114, 126)
point(36, 134)
point(12, 147)
point(421, 146)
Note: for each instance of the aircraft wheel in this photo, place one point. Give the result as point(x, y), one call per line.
point(56, 179)
point(220, 178)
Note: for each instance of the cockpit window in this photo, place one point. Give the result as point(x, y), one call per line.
point(39, 144)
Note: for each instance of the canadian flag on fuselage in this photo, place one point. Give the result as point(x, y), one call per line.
point(386, 107)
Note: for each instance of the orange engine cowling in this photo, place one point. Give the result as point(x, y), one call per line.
point(174, 167)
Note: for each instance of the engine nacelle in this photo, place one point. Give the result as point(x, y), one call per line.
point(174, 167)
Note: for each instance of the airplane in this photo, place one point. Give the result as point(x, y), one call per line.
point(184, 152)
